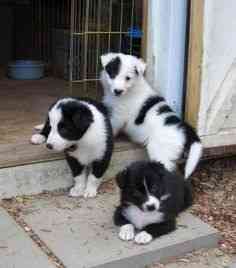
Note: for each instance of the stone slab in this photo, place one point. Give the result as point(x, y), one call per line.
point(81, 233)
point(17, 250)
point(53, 175)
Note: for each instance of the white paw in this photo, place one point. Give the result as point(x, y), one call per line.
point(126, 232)
point(37, 139)
point(76, 191)
point(143, 238)
point(39, 127)
point(90, 192)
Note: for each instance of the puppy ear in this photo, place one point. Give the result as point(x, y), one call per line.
point(106, 58)
point(121, 178)
point(140, 66)
point(82, 118)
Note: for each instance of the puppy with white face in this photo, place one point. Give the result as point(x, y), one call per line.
point(145, 117)
point(121, 72)
point(150, 200)
point(81, 129)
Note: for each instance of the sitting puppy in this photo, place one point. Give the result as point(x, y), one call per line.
point(151, 198)
point(145, 117)
point(80, 128)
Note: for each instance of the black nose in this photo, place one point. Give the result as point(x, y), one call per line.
point(118, 92)
point(49, 146)
point(150, 207)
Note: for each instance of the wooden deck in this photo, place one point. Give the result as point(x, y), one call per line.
point(24, 104)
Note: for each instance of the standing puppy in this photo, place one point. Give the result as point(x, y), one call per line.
point(80, 128)
point(150, 200)
point(137, 110)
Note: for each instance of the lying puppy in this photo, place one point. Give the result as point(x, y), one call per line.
point(80, 128)
point(150, 200)
point(145, 117)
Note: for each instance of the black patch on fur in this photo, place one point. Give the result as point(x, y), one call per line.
point(75, 166)
point(100, 166)
point(148, 104)
point(113, 67)
point(172, 120)
point(159, 182)
point(46, 129)
point(164, 109)
point(136, 71)
point(76, 119)
point(118, 218)
point(161, 228)
point(99, 105)
point(191, 135)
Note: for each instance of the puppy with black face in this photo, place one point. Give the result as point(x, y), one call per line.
point(81, 129)
point(150, 200)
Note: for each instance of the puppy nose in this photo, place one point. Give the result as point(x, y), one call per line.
point(150, 207)
point(118, 92)
point(49, 146)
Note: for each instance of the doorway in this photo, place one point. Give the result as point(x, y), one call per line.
point(68, 37)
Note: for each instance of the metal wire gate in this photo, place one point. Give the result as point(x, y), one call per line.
point(70, 36)
point(101, 26)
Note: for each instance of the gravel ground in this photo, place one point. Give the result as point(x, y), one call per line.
point(215, 198)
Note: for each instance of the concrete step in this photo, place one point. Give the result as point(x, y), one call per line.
point(52, 175)
point(81, 232)
point(16, 248)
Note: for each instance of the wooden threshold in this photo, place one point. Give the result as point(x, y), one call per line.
point(26, 153)
point(192, 101)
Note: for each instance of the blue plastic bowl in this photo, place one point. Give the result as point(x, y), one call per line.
point(26, 70)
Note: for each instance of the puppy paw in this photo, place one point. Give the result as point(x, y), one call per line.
point(143, 238)
point(126, 232)
point(90, 192)
point(76, 191)
point(39, 127)
point(37, 139)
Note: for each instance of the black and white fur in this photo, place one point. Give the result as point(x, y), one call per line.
point(80, 128)
point(145, 117)
point(150, 200)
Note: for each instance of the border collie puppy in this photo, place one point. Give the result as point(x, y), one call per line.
point(145, 117)
point(150, 200)
point(81, 128)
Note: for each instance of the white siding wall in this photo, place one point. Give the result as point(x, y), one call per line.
point(166, 49)
point(217, 116)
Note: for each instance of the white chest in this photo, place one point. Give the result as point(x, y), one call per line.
point(140, 219)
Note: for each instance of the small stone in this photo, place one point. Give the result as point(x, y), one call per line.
point(184, 260)
point(218, 253)
point(27, 229)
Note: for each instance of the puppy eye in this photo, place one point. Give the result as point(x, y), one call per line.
point(127, 78)
point(61, 125)
point(137, 193)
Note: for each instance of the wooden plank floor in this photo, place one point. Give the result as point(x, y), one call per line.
point(24, 104)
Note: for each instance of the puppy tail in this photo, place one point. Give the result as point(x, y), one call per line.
point(194, 156)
